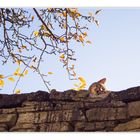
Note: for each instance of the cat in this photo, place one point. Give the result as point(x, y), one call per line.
point(98, 87)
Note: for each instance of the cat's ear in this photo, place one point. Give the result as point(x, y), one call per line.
point(102, 81)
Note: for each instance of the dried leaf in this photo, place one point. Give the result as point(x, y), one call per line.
point(85, 34)
point(82, 80)
point(17, 72)
point(81, 38)
point(36, 33)
point(64, 14)
point(50, 73)
point(17, 91)
point(62, 39)
point(62, 56)
point(89, 42)
point(33, 17)
point(1, 76)
point(11, 79)
point(26, 72)
point(24, 47)
point(19, 62)
point(1, 83)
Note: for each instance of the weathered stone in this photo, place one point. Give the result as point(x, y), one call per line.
point(26, 109)
point(27, 117)
point(117, 104)
point(82, 94)
point(129, 95)
point(128, 126)
point(30, 103)
point(100, 114)
point(56, 127)
point(8, 119)
point(96, 97)
point(38, 96)
point(23, 130)
point(9, 111)
point(134, 108)
point(135, 130)
point(79, 126)
point(24, 127)
point(65, 127)
point(3, 127)
point(89, 126)
point(67, 111)
point(94, 126)
point(103, 104)
point(99, 125)
point(51, 116)
point(39, 117)
point(65, 115)
point(11, 101)
point(110, 124)
point(121, 113)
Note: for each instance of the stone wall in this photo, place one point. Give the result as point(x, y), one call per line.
point(71, 111)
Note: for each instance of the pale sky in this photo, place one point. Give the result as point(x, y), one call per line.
point(114, 54)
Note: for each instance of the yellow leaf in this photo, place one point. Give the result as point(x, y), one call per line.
point(62, 56)
point(81, 38)
point(89, 42)
point(82, 80)
point(43, 27)
point(85, 34)
point(21, 75)
point(17, 72)
point(1, 83)
point(19, 62)
point(36, 33)
point(17, 91)
point(82, 86)
point(50, 72)
point(64, 14)
point(26, 72)
point(78, 14)
point(64, 26)
point(23, 47)
point(1, 76)
point(33, 17)
point(62, 39)
point(11, 79)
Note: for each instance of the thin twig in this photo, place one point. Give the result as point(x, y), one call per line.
point(20, 77)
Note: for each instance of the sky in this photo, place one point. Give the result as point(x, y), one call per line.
point(114, 54)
